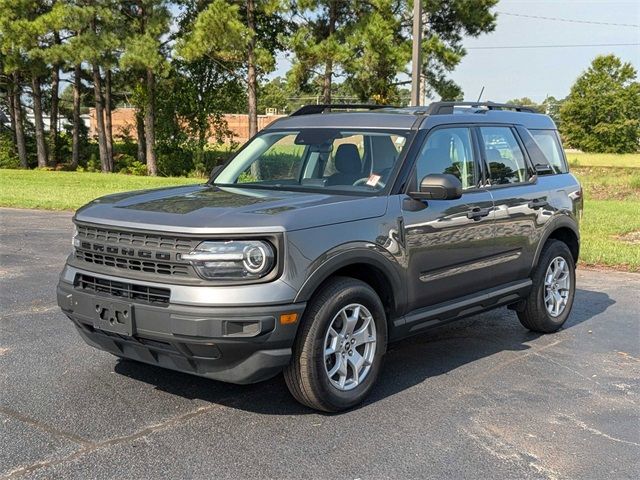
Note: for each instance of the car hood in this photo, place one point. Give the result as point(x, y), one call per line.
point(211, 209)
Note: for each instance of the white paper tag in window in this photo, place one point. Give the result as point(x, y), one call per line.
point(373, 180)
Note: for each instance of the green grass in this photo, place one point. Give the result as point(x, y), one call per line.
point(70, 190)
point(610, 231)
point(579, 159)
point(608, 183)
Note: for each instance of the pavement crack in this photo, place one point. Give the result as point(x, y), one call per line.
point(93, 446)
point(494, 444)
point(595, 431)
point(44, 427)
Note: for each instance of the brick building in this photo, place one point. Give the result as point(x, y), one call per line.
point(124, 124)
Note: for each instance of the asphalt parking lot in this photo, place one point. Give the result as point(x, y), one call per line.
point(483, 398)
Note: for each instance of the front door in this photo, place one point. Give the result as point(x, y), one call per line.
point(448, 241)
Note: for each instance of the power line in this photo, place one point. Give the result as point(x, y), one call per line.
point(501, 47)
point(569, 20)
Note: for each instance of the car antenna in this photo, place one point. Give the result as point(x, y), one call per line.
point(481, 92)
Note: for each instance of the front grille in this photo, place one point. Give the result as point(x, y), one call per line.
point(131, 263)
point(134, 238)
point(140, 253)
point(130, 291)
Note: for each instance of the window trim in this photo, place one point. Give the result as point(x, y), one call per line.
point(533, 178)
point(478, 174)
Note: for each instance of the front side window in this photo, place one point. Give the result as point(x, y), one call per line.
point(448, 150)
point(504, 156)
point(548, 142)
point(340, 160)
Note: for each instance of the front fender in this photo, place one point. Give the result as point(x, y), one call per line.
point(355, 253)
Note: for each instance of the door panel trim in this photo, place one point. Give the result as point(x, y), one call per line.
point(458, 269)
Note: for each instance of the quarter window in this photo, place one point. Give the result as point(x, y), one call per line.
point(448, 150)
point(548, 142)
point(504, 156)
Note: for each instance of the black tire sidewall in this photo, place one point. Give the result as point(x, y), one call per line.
point(364, 295)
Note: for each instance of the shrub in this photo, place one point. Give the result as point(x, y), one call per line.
point(8, 157)
point(130, 165)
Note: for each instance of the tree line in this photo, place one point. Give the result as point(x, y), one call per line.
point(183, 63)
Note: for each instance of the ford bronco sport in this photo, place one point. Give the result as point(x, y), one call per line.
point(327, 236)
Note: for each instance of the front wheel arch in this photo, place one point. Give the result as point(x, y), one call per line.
point(364, 264)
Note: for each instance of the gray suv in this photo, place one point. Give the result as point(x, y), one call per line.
point(327, 236)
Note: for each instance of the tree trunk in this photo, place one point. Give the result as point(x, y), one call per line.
point(107, 115)
point(149, 123)
point(328, 66)
point(102, 141)
point(12, 116)
point(142, 148)
point(75, 147)
point(252, 82)
point(53, 124)
point(19, 128)
point(251, 71)
point(41, 144)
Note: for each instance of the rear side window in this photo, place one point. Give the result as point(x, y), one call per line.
point(549, 143)
point(505, 159)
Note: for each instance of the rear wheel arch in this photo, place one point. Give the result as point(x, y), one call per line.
point(565, 230)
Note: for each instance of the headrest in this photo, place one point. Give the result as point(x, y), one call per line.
point(347, 159)
point(493, 155)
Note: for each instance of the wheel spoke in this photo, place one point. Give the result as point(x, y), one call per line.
point(352, 320)
point(363, 335)
point(356, 361)
point(342, 372)
point(336, 367)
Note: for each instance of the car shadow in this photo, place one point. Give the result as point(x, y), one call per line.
point(407, 363)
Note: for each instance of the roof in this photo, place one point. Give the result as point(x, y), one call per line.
point(374, 119)
point(405, 118)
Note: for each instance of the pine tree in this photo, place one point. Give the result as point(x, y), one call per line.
point(319, 42)
point(149, 21)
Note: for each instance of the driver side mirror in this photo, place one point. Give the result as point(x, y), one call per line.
point(439, 186)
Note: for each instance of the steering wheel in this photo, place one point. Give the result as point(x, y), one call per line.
point(364, 180)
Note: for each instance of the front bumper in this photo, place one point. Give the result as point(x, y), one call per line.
point(237, 344)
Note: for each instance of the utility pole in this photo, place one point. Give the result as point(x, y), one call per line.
point(416, 57)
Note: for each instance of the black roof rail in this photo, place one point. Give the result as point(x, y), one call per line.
point(321, 108)
point(445, 108)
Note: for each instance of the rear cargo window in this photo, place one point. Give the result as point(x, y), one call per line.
point(549, 143)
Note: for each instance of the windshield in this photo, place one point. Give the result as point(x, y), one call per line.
point(316, 158)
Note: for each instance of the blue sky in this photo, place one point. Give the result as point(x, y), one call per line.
point(536, 73)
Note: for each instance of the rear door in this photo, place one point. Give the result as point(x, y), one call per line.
point(447, 241)
point(520, 202)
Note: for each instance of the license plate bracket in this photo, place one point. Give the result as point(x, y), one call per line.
point(113, 316)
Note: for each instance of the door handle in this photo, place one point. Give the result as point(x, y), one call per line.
point(537, 203)
point(476, 213)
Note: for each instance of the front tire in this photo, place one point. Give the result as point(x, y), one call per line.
point(554, 284)
point(338, 351)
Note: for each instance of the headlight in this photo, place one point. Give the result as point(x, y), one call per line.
point(232, 260)
point(75, 241)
